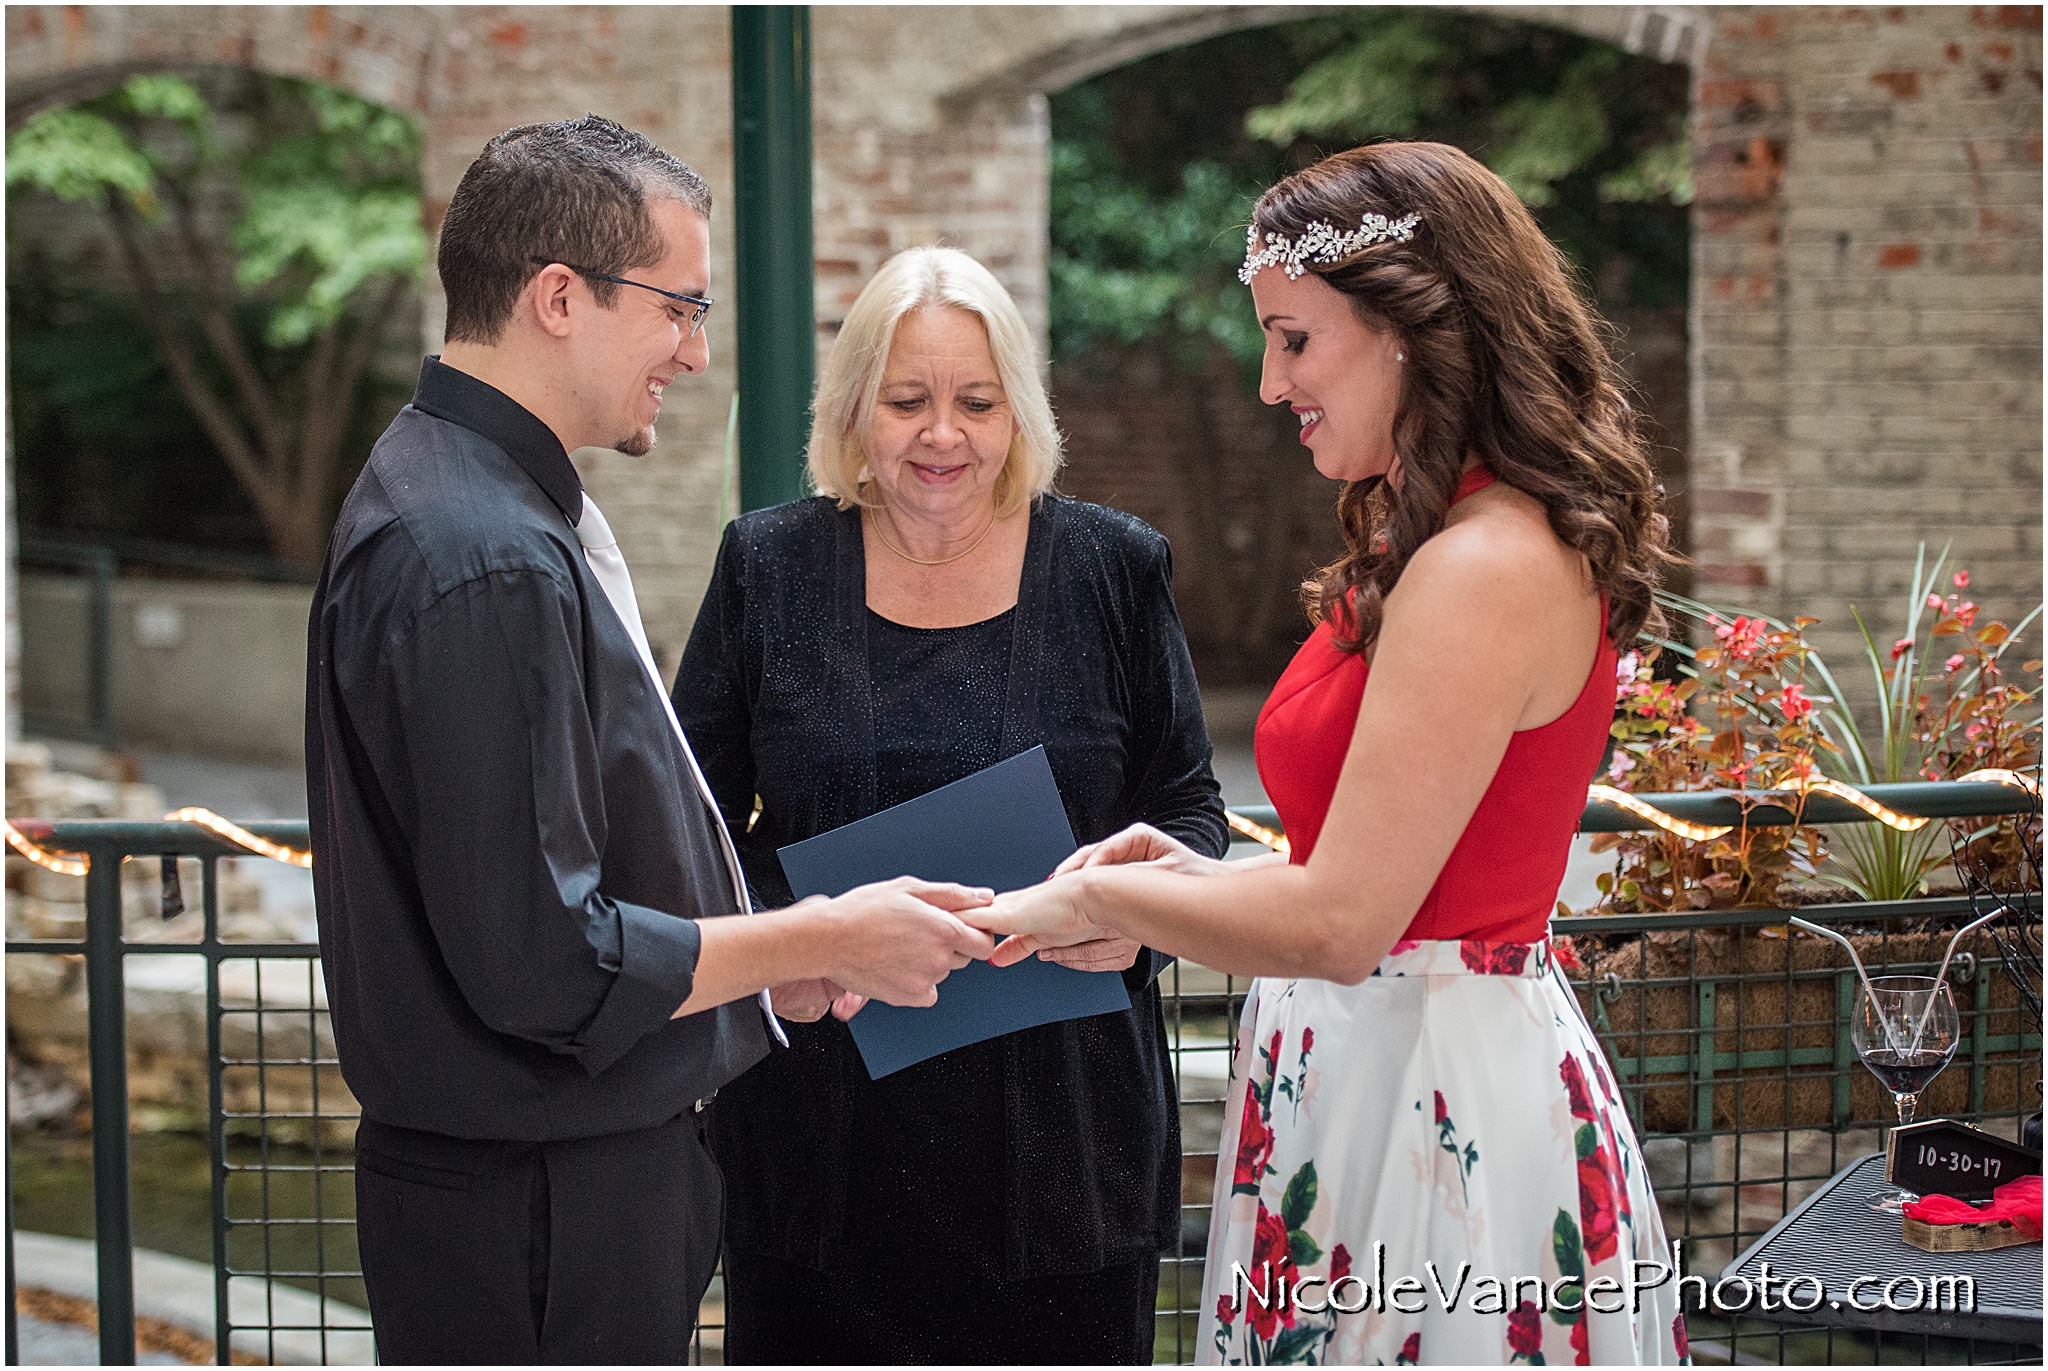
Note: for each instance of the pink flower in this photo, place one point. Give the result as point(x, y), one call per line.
point(1625, 669)
point(1962, 580)
point(1743, 637)
point(1954, 663)
point(1972, 731)
point(1967, 612)
point(1620, 766)
point(1934, 602)
point(1792, 699)
point(1899, 648)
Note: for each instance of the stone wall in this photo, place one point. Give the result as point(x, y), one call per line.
point(209, 668)
point(1866, 333)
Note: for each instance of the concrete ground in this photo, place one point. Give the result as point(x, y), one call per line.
point(47, 1343)
point(181, 1292)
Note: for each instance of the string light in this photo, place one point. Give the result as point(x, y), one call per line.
point(1621, 799)
point(47, 860)
point(2000, 776)
point(1890, 818)
point(241, 837)
point(1258, 833)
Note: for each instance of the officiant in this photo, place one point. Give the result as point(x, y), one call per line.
point(933, 610)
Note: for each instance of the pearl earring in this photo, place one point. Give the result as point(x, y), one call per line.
point(1400, 356)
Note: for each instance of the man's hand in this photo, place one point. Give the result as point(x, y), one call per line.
point(805, 1001)
point(894, 941)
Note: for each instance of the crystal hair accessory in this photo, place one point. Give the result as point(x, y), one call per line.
point(1320, 243)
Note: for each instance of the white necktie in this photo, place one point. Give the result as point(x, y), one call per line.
point(608, 564)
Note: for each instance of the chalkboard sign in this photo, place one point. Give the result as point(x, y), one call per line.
point(1941, 1157)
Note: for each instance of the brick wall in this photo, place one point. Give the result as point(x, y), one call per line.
point(1865, 350)
point(666, 72)
point(1868, 307)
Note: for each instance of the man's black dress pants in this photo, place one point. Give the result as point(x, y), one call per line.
point(594, 1250)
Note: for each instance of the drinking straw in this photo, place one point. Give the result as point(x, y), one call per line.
point(1928, 1013)
point(1921, 1028)
point(1797, 922)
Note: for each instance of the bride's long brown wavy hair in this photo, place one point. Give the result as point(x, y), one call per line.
point(1505, 360)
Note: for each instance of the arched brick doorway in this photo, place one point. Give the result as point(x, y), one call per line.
point(62, 53)
point(1197, 456)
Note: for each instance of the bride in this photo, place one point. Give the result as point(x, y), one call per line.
point(1426, 1158)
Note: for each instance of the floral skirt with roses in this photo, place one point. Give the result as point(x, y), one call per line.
point(1431, 1167)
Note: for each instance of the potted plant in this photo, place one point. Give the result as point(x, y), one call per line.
point(1755, 713)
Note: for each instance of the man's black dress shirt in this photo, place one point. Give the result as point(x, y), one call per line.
point(508, 849)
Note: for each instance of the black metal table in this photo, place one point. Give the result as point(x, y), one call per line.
point(1853, 1252)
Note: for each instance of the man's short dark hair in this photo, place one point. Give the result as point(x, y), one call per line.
point(576, 191)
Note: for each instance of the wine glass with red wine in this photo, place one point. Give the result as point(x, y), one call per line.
point(1905, 1030)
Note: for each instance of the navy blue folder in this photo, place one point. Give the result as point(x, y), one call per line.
point(1003, 828)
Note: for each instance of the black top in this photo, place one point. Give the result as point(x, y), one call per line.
point(508, 851)
point(1050, 1151)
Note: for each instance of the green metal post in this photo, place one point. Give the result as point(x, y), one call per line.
point(101, 569)
point(777, 329)
point(106, 1011)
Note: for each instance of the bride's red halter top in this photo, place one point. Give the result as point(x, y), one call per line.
point(1501, 880)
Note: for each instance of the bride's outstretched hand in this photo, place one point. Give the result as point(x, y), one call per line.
point(1034, 918)
point(1140, 843)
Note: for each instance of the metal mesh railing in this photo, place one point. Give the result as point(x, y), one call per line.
point(1729, 1039)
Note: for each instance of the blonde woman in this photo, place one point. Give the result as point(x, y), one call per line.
point(934, 609)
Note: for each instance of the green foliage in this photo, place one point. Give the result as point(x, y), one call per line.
point(1538, 107)
point(77, 155)
point(1156, 165)
point(1593, 139)
point(255, 238)
point(1127, 267)
point(1913, 741)
point(103, 441)
point(338, 202)
point(325, 197)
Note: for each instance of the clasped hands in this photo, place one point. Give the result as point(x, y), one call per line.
point(901, 938)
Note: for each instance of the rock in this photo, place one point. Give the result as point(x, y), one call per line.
point(42, 1096)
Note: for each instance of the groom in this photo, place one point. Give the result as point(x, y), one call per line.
point(523, 885)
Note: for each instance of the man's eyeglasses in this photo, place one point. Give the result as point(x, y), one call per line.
point(702, 305)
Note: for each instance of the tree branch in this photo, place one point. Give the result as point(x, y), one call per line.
point(332, 375)
point(176, 355)
point(217, 323)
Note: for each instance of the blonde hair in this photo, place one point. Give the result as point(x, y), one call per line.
point(923, 278)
